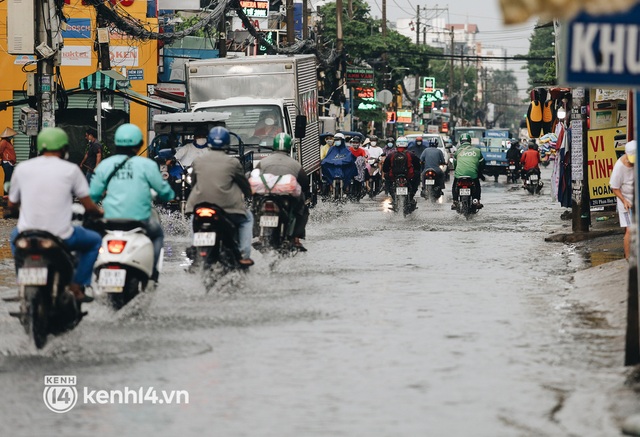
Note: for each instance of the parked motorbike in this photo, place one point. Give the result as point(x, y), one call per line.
point(375, 178)
point(431, 188)
point(125, 263)
point(215, 248)
point(512, 172)
point(45, 268)
point(466, 204)
point(402, 200)
point(274, 221)
point(532, 182)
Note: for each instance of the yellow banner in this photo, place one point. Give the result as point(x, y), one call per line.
point(601, 154)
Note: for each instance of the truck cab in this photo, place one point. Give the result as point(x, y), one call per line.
point(494, 148)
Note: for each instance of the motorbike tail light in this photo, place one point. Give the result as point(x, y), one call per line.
point(464, 184)
point(116, 246)
point(431, 174)
point(205, 212)
point(36, 257)
point(270, 207)
point(46, 244)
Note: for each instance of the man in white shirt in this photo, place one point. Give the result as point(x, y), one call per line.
point(622, 184)
point(373, 162)
point(187, 153)
point(43, 189)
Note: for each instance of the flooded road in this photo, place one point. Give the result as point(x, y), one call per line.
point(429, 325)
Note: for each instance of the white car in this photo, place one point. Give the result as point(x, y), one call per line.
point(441, 145)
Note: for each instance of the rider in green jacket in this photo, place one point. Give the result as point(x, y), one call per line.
point(468, 161)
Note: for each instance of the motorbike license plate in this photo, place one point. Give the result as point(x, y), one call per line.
point(493, 162)
point(402, 191)
point(204, 239)
point(32, 276)
point(430, 182)
point(112, 280)
point(269, 221)
point(465, 191)
point(512, 167)
point(533, 177)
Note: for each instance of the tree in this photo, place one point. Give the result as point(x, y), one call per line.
point(542, 45)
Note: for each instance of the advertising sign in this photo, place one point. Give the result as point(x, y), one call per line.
point(601, 156)
point(254, 8)
point(76, 56)
point(359, 76)
point(428, 84)
point(126, 56)
point(602, 50)
point(404, 116)
point(77, 28)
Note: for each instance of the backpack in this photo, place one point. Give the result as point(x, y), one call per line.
point(401, 164)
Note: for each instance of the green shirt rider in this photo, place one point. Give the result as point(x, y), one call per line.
point(468, 161)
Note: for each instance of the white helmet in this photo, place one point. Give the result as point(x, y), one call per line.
point(402, 142)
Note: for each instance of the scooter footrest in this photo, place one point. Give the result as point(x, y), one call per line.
point(11, 299)
point(17, 314)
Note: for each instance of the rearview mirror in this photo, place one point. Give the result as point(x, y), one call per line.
point(301, 126)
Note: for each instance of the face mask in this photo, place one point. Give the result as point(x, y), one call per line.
point(268, 121)
point(372, 144)
point(389, 145)
point(330, 143)
point(356, 145)
point(337, 142)
point(201, 141)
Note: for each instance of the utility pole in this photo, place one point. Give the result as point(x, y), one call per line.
point(384, 18)
point(305, 20)
point(416, 101)
point(102, 45)
point(291, 36)
point(451, 73)
point(44, 79)
point(580, 208)
point(339, 41)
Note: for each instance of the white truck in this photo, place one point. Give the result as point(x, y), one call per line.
point(263, 95)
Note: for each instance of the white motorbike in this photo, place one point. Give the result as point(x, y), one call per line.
point(125, 262)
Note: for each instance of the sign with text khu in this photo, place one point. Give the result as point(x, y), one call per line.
point(602, 50)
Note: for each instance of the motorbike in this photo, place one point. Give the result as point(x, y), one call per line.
point(178, 176)
point(402, 199)
point(467, 206)
point(512, 172)
point(214, 247)
point(375, 178)
point(125, 263)
point(45, 268)
point(431, 188)
point(274, 221)
point(335, 191)
point(532, 182)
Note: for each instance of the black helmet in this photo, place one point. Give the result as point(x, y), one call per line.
point(515, 142)
point(433, 142)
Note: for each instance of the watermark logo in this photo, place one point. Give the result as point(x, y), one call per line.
point(60, 394)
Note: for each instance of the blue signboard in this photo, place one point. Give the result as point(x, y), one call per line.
point(601, 50)
point(135, 74)
point(77, 28)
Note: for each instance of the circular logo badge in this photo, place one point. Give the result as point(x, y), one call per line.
point(60, 399)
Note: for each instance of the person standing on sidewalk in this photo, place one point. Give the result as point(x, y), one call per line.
point(8, 155)
point(93, 155)
point(622, 184)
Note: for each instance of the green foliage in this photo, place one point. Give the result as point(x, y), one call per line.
point(541, 45)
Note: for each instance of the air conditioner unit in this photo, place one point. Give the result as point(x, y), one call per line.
point(21, 27)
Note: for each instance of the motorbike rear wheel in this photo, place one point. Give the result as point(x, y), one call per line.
point(39, 312)
point(132, 287)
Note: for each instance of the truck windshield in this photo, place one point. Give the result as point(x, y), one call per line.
point(254, 124)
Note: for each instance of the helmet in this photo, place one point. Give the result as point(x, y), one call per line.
point(52, 139)
point(338, 139)
point(128, 135)
point(433, 142)
point(355, 139)
point(339, 135)
point(465, 139)
point(418, 140)
point(515, 142)
point(282, 142)
point(402, 142)
point(219, 137)
point(373, 138)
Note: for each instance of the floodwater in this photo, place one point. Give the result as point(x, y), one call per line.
point(428, 325)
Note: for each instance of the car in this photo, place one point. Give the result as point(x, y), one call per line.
point(441, 145)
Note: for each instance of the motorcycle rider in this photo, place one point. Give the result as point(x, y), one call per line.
point(417, 146)
point(387, 150)
point(530, 159)
point(468, 161)
point(432, 157)
point(328, 143)
point(42, 189)
point(187, 153)
point(123, 182)
point(279, 164)
point(219, 178)
point(375, 152)
point(411, 166)
point(339, 162)
point(514, 153)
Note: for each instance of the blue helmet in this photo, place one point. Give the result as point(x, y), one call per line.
point(219, 138)
point(128, 135)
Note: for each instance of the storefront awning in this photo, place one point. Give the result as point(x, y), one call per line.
point(148, 101)
point(519, 11)
point(104, 80)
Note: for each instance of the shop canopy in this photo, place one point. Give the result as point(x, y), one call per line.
point(112, 81)
point(519, 11)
